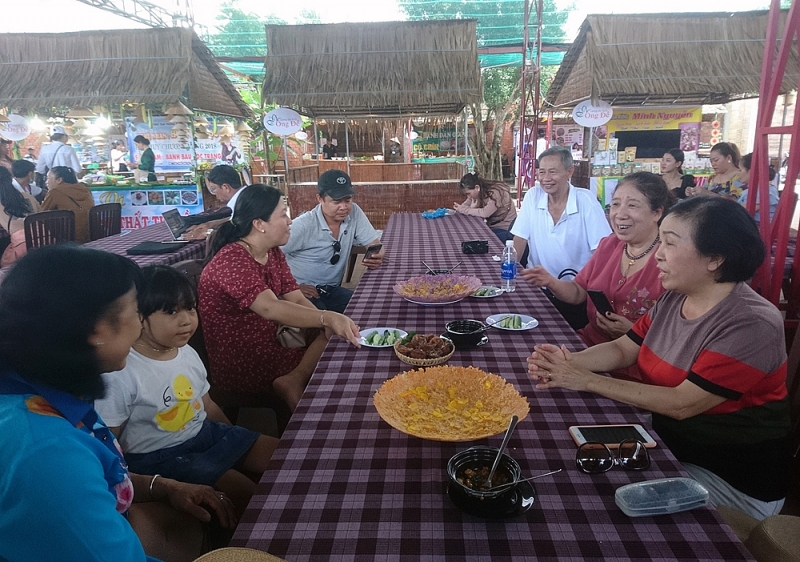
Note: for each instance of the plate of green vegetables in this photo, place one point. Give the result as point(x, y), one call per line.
point(381, 337)
point(511, 321)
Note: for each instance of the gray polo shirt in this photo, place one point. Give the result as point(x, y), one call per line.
point(310, 247)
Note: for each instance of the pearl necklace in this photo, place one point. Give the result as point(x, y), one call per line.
point(141, 344)
point(633, 259)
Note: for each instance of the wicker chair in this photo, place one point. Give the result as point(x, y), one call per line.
point(104, 220)
point(48, 228)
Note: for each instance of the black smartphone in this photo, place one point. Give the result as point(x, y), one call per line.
point(600, 301)
point(372, 251)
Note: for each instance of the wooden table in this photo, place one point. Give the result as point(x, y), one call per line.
point(344, 485)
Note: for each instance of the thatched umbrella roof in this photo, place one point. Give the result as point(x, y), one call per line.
point(388, 70)
point(42, 70)
point(661, 59)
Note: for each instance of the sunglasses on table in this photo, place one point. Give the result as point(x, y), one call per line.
point(595, 458)
point(337, 248)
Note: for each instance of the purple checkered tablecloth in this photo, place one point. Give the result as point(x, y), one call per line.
point(158, 232)
point(344, 485)
point(119, 243)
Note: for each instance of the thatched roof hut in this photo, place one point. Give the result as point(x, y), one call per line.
point(383, 70)
point(662, 59)
point(43, 70)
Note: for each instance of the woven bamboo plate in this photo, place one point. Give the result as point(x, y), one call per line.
point(424, 362)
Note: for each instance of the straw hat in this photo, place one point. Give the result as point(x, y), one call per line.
point(232, 554)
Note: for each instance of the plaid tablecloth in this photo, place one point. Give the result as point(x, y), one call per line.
point(344, 485)
point(159, 232)
point(119, 243)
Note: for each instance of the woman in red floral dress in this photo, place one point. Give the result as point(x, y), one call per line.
point(246, 290)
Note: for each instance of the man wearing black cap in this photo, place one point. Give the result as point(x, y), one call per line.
point(321, 239)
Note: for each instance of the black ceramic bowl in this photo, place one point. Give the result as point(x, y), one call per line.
point(465, 333)
point(477, 457)
point(437, 271)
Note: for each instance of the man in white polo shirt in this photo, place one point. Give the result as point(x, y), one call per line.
point(58, 153)
point(321, 239)
point(560, 224)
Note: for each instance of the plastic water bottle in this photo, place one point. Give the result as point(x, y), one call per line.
point(508, 267)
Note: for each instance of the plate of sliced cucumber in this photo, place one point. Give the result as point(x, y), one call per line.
point(381, 337)
point(487, 292)
point(511, 321)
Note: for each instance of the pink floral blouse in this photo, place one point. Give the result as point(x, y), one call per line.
point(631, 297)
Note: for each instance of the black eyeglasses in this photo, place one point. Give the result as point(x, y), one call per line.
point(337, 247)
point(594, 458)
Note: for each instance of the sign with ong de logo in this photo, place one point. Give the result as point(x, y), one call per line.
point(589, 115)
point(16, 129)
point(283, 121)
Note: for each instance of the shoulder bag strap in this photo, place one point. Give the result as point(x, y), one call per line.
point(76, 203)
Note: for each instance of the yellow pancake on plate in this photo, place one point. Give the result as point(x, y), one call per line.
point(447, 403)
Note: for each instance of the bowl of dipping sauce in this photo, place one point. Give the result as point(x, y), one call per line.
point(469, 469)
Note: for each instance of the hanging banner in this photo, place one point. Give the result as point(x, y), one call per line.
point(172, 155)
point(142, 205)
point(218, 148)
point(16, 129)
point(283, 121)
point(653, 119)
point(589, 115)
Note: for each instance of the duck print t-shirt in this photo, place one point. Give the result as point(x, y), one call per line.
point(162, 401)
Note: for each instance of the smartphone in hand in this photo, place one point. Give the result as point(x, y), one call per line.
point(601, 302)
point(373, 251)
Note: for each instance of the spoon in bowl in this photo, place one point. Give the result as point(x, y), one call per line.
point(512, 424)
point(515, 482)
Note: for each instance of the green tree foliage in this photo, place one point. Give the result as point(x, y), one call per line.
point(500, 22)
point(240, 34)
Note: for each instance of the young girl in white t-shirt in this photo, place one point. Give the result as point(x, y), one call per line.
point(159, 407)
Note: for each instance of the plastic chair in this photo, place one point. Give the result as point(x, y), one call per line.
point(48, 228)
point(105, 220)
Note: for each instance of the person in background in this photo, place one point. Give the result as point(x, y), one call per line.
point(118, 153)
point(624, 267)
point(57, 153)
point(744, 179)
point(14, 207)
point(65, 193)
point(159, 408)
point(68, 314)
point(490, 200)
point(24, 172)
point(672, 173)
point(147, 159)
point(319, 245)
point(224, 183)
point(30, 156)
point(328, 150)
point(541, 144)
point(6, 159)
point(725, 161)
point(230, 153)
point(246, 290)
point(561, 225)
point(712, 355)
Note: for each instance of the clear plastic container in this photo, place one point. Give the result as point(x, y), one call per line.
point(657, 497)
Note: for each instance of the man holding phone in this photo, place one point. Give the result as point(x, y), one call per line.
point(322, 238)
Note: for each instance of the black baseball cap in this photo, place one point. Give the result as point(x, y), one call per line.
point(335, 184)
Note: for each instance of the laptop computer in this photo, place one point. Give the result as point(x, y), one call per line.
point(176, 224)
